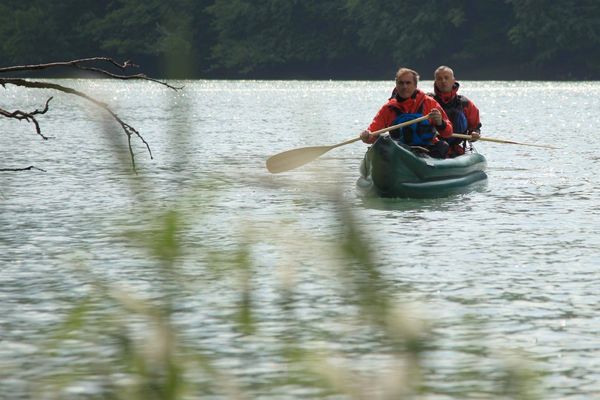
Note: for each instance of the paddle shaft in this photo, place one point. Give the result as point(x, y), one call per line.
point(391, 128)
point(295, 158)
point(379, 132)
point(488, 139)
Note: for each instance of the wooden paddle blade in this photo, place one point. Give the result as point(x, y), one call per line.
point(295, 158)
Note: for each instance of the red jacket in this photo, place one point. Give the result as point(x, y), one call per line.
point(470, 110)
point(388, 113)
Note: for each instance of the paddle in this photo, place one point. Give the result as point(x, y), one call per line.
point(298, 157)
point(488, 139)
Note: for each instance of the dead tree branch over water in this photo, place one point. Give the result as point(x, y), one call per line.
point(84, 64)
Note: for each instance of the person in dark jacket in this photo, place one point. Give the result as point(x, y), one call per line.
point(461, 111)
point(409, 103)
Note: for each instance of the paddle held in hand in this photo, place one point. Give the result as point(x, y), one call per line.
point(295, 158)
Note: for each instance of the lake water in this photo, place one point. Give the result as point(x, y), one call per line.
point(509, 271)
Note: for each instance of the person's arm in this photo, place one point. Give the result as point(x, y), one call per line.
point(383, 119)
point(473, 122)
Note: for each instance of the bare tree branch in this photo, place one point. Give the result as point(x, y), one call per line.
point(28, 116)
point(80, 64)
point(128, 129)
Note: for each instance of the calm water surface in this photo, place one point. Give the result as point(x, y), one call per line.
point(519, 257)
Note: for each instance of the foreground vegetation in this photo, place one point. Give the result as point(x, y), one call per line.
point(266, 314)
point(133, 343)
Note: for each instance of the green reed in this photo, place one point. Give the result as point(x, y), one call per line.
point(128, 342)
point(147, 353)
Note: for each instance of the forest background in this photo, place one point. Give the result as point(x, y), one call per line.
point(312, 39)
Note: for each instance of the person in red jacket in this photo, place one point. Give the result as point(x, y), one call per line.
point(463, 114)
point(409, 103)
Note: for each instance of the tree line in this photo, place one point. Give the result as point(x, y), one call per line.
point(312, 39)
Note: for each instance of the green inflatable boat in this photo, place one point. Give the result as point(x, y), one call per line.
point(391, 169)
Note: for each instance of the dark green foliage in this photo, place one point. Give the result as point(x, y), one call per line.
point(40, 31)
point(407, 30)
point(127, 26)
point(274, 33)
point(319, 39)
point(566, 32)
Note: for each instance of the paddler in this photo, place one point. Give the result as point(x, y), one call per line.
point(409, 103)
point(462, 112)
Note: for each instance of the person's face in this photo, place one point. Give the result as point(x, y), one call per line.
point(405, 85)
point(444, 80)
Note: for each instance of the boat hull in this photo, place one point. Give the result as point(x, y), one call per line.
point(390, 169)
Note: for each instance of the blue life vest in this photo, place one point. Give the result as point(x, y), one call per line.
point(419, 134)
point(459, 122)
point(455, 110)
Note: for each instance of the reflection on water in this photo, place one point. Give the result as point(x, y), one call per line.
point(512, 264)
point(446, 203)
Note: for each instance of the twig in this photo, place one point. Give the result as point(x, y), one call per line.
point(28, 116)
point(21, 169)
